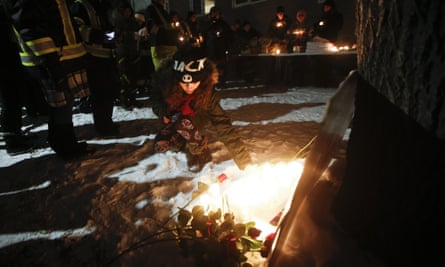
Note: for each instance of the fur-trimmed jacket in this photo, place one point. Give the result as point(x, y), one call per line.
point(167, 96)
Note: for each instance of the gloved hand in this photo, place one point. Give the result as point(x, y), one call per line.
point(175, 117)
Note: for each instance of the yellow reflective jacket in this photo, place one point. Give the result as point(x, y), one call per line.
point(45, 27)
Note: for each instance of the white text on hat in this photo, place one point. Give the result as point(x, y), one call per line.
point(181, 66)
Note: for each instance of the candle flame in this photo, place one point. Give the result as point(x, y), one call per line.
point(259, 195)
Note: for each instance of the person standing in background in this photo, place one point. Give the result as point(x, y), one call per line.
point(179, 26)
point(330, 22)
point(53, 53)
point(299, 32)
point(163, 37)
point(12, 91)
point(94, 21)
point(218, 40)
point(276, 32)
point(194, 29)
point(127, 52)
point(145, 66)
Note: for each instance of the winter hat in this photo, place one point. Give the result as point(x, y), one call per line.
point(330, 3)
point(190, 65)
point(301, 12)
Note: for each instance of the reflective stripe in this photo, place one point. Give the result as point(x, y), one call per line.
point(27, 57)
point(68, 29)
point(29, 60)
point(99, 51)
point(72, 51)
point(31, 50)
point(94, 19)
point(42, 46)
point(96, 50)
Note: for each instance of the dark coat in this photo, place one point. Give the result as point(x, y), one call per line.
point(213, 114)
point(275, 32)
point(329, 25)
point(157, 21)
point(58, 53)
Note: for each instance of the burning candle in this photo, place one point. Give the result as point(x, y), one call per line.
point(299, 33)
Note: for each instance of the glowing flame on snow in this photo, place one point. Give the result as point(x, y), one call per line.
point(259, 195)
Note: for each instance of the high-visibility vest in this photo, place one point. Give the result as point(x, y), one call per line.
point(97, 50)
point(33, 49)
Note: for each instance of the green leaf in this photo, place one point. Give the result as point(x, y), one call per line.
point(184, 217)
point(240, 230)
point(251, 243)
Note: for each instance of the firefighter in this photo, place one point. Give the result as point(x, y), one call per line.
point(52, 54)
point(94, 20)
point(12, 91)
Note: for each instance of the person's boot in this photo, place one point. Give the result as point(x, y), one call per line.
point(103, 123)
point(85, 105)
point(62, 140)
point(18, 143)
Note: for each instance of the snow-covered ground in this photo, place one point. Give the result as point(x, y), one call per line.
point(257, 193)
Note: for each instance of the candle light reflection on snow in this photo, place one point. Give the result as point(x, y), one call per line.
point(259, 195)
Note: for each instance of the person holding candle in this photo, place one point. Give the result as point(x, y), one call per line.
point(276, 32)
point(299, 32)
point(330, 22)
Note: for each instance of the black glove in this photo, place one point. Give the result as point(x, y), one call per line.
point(175, 117)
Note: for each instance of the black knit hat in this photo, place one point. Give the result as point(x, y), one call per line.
point(190, 65)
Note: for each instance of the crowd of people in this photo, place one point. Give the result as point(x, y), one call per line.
point(94, 54)
point(289, 35)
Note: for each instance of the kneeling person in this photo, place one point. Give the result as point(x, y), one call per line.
point(184, 98)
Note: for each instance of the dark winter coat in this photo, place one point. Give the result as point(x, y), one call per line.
point(304, 30)
point(126, 28)
point(329, 25)
point(275, 32)
point(211, 114)
point(218, 38)
point(93, 18)
point(52, 47)
point(158, 25)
